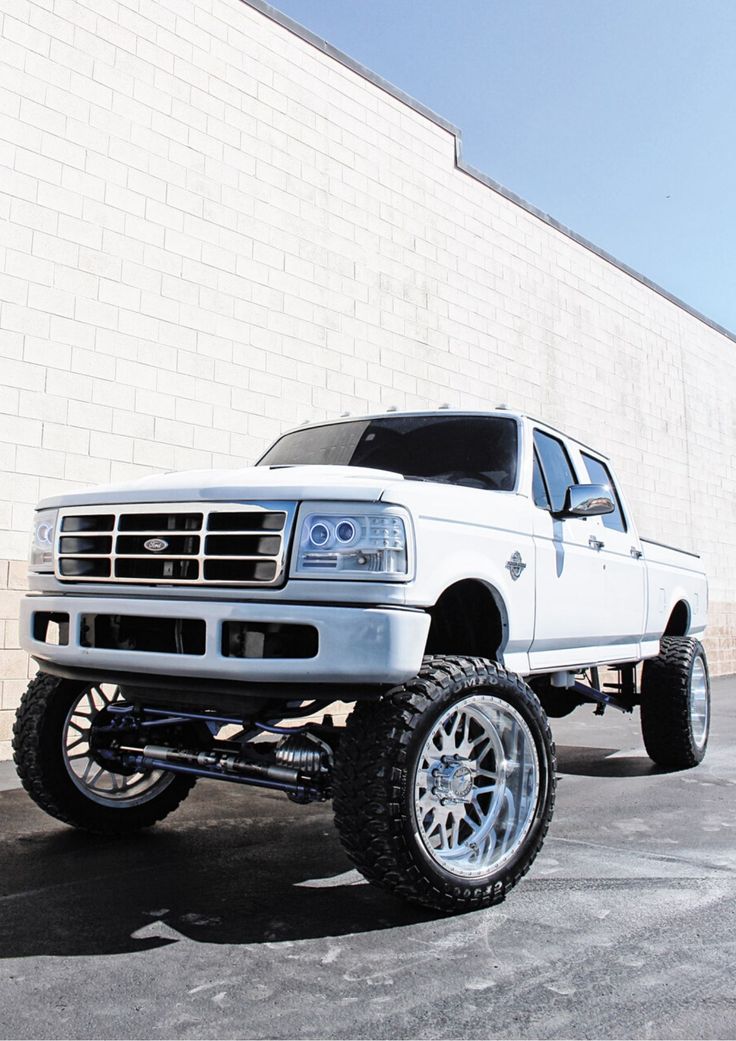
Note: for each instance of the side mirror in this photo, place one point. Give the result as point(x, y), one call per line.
point(587, 500)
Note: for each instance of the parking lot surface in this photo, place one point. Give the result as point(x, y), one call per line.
point(241, 918)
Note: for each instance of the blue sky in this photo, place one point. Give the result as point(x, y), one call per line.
point(617, 117)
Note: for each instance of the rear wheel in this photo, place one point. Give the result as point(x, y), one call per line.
point(675, 703)
point(57, 751)
point(444, 790)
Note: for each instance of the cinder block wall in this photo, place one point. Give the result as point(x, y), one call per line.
point(212, 229)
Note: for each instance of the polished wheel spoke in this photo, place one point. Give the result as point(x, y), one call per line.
point(433, 827)
point(454, 727)
point(427, 803)
point(102, 693)
point(480, 745)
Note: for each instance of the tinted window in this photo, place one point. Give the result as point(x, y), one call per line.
point(477, 451)
point(556, 466)
point(599, 474)
point(539, 492)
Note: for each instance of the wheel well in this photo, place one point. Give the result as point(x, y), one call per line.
point(466, 620)
point(679, 620)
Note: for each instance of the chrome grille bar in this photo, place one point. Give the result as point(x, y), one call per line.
point(228, 544)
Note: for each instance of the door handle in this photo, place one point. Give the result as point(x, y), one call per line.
point(636, 553)
point(595, 543)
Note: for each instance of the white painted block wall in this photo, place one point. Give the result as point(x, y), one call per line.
point(211, 230)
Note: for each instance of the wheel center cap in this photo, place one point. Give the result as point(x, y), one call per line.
point(453, 781)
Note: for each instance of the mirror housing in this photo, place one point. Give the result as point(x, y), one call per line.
point(587, 500)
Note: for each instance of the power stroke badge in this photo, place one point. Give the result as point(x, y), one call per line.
point(515, 565)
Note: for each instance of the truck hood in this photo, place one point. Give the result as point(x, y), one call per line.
point(352, 483)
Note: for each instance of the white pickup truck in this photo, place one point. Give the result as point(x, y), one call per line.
point(458, 576)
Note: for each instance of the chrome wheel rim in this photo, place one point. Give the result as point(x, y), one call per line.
point(95, 781)
point(476, 786)
point(699, 703)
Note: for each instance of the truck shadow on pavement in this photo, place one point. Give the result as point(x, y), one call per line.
point(232, 866)
point(229, 868)
point(589, 761)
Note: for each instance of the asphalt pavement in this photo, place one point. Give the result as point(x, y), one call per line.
point(240, 917)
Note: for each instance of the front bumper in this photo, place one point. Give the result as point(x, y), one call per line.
point(356, 645)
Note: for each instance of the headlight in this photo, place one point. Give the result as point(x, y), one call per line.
point(42, 542)
point(367, 544)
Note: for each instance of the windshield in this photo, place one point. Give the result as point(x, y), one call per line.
point(476, 451)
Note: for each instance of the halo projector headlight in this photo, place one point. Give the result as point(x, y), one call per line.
point(345, 531)
point(359, 545)
point(42, 541)
point(319, 534)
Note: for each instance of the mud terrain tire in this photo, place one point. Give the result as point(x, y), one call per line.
point(38, 745)
point(675, 703)
point(392, 786)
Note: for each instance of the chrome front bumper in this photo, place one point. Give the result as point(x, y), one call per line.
point(356, 645)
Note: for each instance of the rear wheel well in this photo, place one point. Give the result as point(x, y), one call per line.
point(466, 620)
point(679, 620)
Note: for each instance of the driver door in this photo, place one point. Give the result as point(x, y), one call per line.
point(569, 611)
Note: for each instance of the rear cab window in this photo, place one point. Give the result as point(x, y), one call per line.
point(598, 473)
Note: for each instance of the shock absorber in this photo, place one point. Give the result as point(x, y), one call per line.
point(225, 766)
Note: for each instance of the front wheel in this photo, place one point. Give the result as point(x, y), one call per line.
point(675, 703)
point(444, 790)
point(58, 758)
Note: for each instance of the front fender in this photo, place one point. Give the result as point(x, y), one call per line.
point(503, 561)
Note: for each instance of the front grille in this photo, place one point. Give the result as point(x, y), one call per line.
point(224, 544)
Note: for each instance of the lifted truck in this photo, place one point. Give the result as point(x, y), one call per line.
point(458, 576)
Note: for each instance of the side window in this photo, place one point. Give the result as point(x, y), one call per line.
point(556, 467)
point(539, 491)
point(598, 473)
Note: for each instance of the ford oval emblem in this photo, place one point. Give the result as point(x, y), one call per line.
point(155, 545)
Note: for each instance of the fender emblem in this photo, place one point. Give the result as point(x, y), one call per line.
point(155, 545)
point(515, 565)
